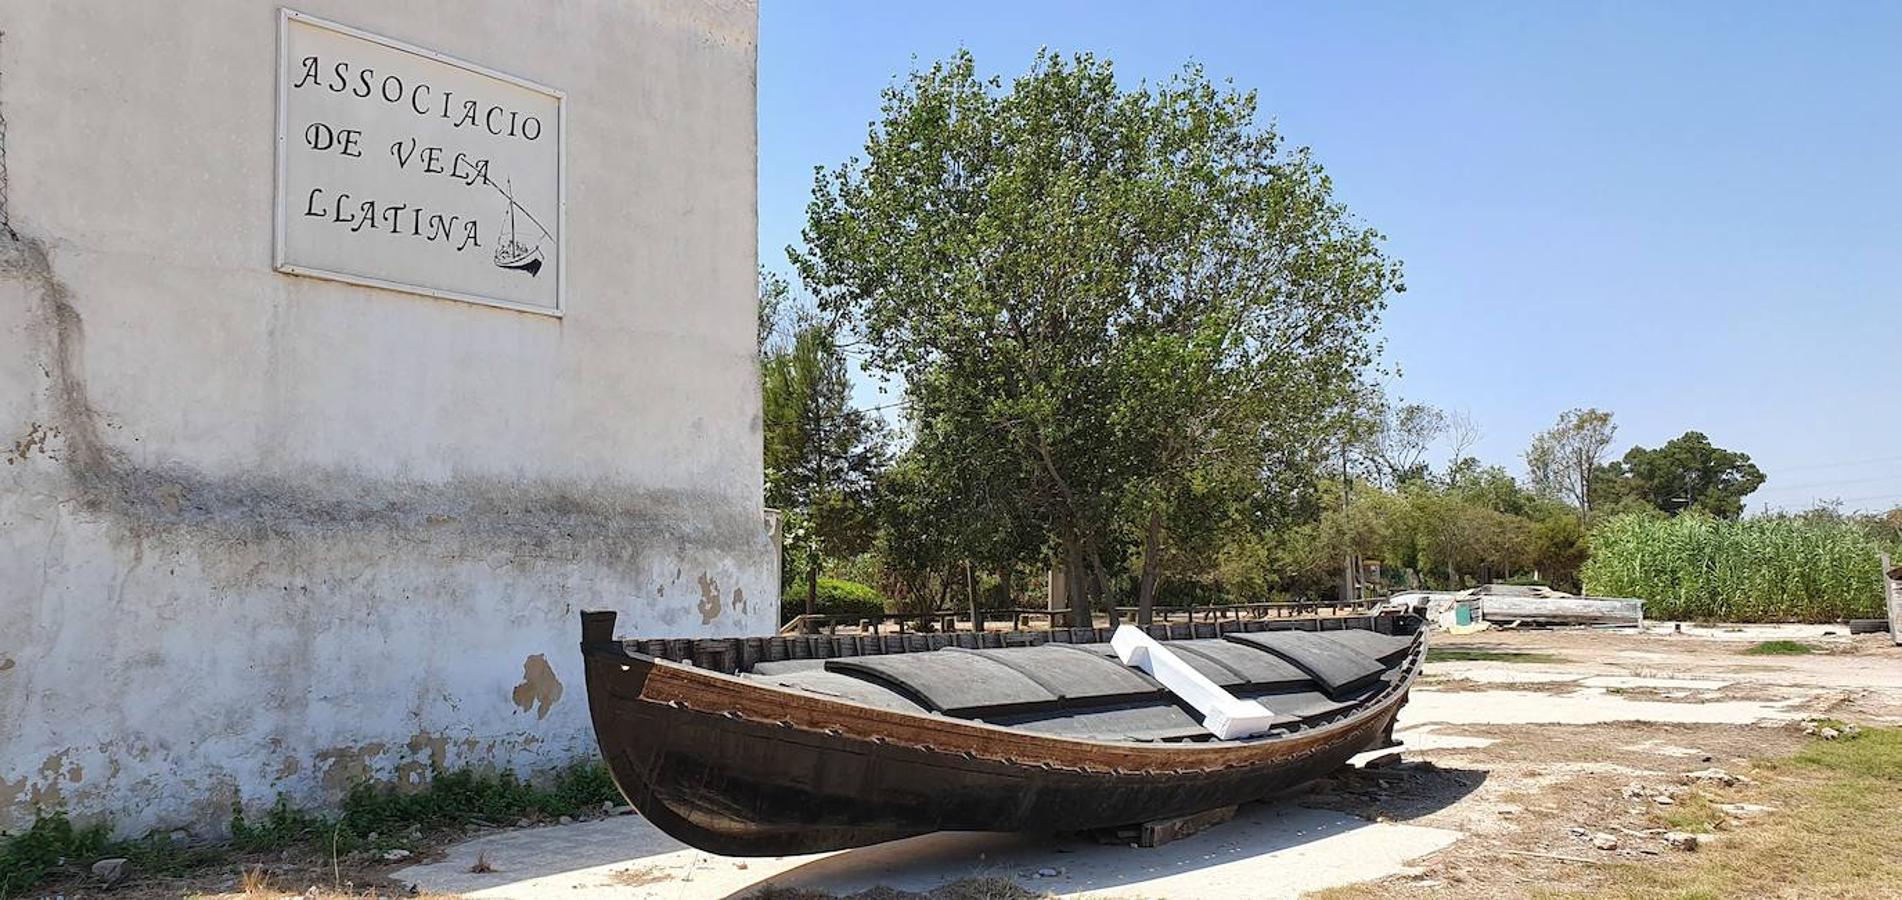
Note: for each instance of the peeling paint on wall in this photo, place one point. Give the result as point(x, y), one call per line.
point(709, 599)
point(540, 689)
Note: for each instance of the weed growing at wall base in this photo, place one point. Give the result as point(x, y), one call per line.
point(27, 857)
point(373, 819)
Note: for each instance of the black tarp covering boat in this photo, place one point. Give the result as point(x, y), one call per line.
point(784, 745)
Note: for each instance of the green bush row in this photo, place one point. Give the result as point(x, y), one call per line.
point(836, 597)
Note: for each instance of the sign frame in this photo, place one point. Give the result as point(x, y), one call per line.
point(286, 16)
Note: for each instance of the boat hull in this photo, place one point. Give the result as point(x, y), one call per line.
point(736, 768)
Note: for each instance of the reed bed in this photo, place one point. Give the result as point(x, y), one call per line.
point(1695, 567)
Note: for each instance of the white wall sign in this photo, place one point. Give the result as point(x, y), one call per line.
point(402, 168)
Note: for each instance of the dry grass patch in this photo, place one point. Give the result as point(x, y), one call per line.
point(1834, 835)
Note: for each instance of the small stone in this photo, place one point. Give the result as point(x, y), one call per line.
point(396, 855)
point(1382, 761)
point(1634, 791)
point(180, 836)
point(1663, 800)
point(607, 807)
point(416, 831)
point(111, 871)
point(1578, 832)
point(1717, 776)
point(740, 865)
point(1745, 810)
point(1604, 841)
point(565, 820)
point(523, 823)
point(1828, 734)
point(1681, 840)
point(622, 810)
point(373, 837)
point(1046, 872)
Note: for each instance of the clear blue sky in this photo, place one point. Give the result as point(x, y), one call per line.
point(1685, 213)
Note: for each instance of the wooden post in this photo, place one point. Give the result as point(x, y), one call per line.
point(1892, 587)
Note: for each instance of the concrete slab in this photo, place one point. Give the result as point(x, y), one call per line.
point(1747, 632)
point(1668, 684)
point(1430, 737)
point(1267, 851)
point(1586, 706)
point(1510, 676)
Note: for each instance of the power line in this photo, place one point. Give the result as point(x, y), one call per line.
point(1840, 464)
point(1817, 484)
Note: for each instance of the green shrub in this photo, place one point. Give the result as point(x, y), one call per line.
point(1695, 567)
point(836, 597)
point(450, 798)
point(26, 857)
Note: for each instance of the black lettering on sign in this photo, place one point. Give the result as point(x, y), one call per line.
point(320, 136)
point(496, 119)
point(310, 72)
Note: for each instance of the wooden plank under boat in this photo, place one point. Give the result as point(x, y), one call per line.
point(785, 745)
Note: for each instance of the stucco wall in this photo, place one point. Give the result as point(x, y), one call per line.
point(263, 534)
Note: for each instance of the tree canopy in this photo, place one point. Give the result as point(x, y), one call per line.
point(1563, 459)
point(1688, 472)
point(822, 456)
point(1135, 305)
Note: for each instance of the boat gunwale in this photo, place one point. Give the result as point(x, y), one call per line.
point(716, 693)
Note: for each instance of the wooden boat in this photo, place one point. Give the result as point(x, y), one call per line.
point(785, 745)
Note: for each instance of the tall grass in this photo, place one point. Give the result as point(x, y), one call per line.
point(1751, 570)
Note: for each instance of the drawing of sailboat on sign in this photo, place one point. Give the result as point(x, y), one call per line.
point(512, 252)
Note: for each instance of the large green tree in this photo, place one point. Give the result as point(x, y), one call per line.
point(1124, 295)
point(1688, 472)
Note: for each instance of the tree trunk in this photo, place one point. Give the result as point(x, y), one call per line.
point(1102, 588)
point(1152, 571)
point(812, 586)
point(1073, 576)
point(970, 594)
point(1347, 552)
